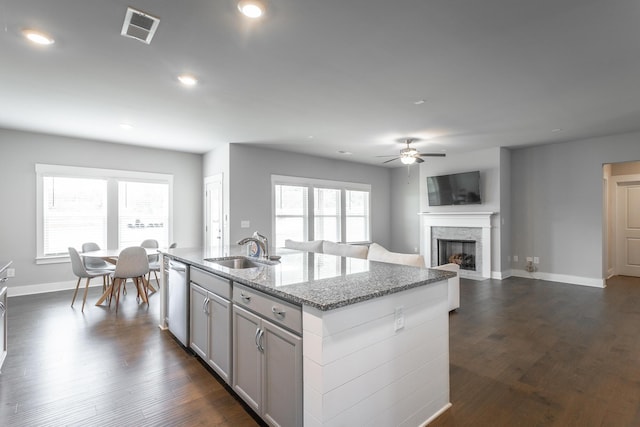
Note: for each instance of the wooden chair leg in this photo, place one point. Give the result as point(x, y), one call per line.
point(86, 289)
point(114, 288)
point(76, 291)
point(118, 293)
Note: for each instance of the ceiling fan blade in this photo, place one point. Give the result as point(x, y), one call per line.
point(419, 160)
point(388, 155)
point(391, 160)
point(432, 154)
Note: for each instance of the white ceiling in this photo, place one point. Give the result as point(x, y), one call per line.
point(319, 76)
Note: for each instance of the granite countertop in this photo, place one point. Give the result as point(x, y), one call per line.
point(323, 281)
point(4, 265)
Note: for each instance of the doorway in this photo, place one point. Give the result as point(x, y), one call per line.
point(622, 218)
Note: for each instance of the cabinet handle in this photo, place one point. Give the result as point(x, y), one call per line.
point(4, 279)
point(260, 347)
point(256, 338)
point(205, 306)
point(277, 312)
point(3, 308)
point(245, 297)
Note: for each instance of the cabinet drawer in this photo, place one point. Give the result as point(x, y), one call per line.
point(211, 282)
point(273, 309)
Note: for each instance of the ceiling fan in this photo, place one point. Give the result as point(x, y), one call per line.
point(410, 155)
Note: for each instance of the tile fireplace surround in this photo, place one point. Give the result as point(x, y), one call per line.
point(458, 225)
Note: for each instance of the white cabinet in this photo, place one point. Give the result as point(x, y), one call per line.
point(210, 321)
point(267, 365)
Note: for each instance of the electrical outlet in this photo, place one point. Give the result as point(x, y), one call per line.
point(245, 224)
point(515, 258)
point(11, 272)
point(398, 318)
point(529, 259)
point(536, 260)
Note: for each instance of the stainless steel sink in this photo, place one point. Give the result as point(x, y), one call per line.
point(237, 263)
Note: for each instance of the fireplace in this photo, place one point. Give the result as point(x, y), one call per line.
point(469, 229)
point(461, 252)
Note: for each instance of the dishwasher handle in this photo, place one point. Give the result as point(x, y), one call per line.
point(177, 267)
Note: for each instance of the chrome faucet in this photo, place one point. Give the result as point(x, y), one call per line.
point(260, 240)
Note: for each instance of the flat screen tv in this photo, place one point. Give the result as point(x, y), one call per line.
point(454, 189)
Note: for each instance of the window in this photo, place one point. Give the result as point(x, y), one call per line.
point(109, 207)
point(143, 213)
point(357, 213)
point(326, 202)
point(290, 213)
point(336, 211)
point(74, 211)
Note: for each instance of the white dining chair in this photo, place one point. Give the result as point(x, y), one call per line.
point(82, 273)
point(154, 260)
point(92, 263)
point(132, 264)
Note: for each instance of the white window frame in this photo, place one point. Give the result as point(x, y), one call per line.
point(113, 176)
point(312, 183)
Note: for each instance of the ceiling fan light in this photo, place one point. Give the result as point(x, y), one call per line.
point(251, 8)
point(408, 160)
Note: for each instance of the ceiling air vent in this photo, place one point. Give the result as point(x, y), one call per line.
point(139, 25)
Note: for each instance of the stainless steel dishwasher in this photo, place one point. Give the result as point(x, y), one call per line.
point(178, 301)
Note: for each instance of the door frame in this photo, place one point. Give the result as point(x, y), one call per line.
point(615, 182)
point(217, 179)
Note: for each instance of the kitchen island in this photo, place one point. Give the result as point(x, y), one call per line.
point(372, 338)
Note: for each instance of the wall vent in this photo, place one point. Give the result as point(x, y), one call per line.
point(139, 25)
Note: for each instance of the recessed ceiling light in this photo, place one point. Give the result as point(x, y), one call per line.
point(556, 130)
point(187, 80)
point(346, 153)
point(126, 126)
point(251, 8)
point(419, 102)
point(37, 37)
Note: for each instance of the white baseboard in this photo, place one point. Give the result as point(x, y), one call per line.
point(501, 275)
point(42, 288)
point(564, 278)
point(436, 415)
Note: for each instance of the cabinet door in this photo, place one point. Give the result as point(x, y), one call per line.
point(220, 336)
point(246, 357)
point(282, 376)
point(199, 321)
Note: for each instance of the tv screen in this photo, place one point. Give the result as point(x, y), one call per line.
point(454, 189)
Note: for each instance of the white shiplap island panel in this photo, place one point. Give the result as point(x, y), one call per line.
point(358, 370)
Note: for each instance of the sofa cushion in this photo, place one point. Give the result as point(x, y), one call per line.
point(311, 246)
point(379, 253)
point(343, 249)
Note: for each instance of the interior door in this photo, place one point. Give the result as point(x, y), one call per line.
point(628, 229)
point(214, 226)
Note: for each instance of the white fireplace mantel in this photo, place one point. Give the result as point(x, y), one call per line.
point(459, 219)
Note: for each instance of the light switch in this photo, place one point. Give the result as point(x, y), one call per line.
point(245, 224)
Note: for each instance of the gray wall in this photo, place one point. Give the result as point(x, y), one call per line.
point(20, 151)
point(489, 163)
point(557, 202)
point(405, 205)
point(250, 187)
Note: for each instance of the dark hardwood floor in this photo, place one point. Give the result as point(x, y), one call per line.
point(66, 368)
point(533, 353)
point(523, 353)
